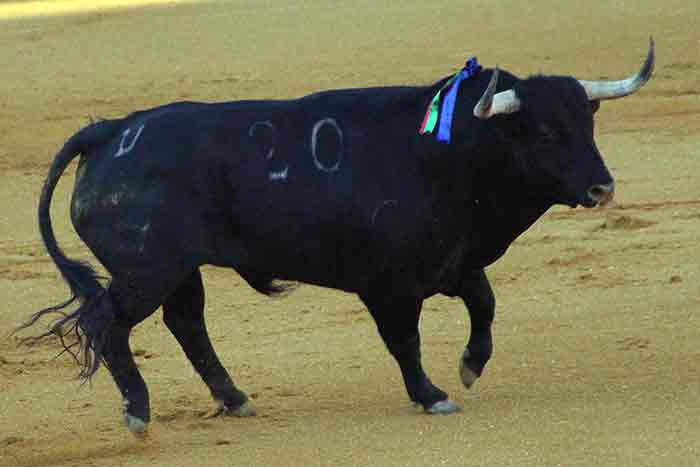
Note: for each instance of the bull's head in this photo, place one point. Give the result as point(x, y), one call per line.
point(554, 129)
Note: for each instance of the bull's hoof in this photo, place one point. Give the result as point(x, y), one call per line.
point(445, 407)
point(245, 410)
point(222, 410)
point(467, 375)
point(136, 426)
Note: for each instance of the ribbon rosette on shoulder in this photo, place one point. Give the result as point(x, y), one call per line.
point(444, 114)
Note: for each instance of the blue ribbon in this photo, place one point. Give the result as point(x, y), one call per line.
point(471, 68)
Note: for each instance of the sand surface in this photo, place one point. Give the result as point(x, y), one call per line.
point(597, 358)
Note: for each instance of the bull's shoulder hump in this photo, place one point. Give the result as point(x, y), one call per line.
point(354, 94)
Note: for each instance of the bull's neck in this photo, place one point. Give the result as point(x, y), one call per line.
point(476, 177)
point(507, 196)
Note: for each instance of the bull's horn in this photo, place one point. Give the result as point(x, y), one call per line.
point(491, 104)
point(600, 90)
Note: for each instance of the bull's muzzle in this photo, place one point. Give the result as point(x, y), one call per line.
point(602, 194)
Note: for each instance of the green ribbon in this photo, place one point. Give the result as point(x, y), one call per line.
point(431, 116)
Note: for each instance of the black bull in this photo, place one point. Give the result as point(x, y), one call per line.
point(336, 189)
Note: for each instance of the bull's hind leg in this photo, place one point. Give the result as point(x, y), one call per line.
point(183, 313)
point(131, 307)
point(397, 321)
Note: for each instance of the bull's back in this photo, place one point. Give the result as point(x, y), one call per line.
point(292, 185)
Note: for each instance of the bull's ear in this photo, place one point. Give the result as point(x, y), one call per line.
point(595, 105)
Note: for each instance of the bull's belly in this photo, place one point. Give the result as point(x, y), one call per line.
point(351, 259)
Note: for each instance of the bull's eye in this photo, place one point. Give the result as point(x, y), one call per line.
point(546, 134)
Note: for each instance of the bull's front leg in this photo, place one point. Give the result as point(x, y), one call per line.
point(397, 321)
point(477, 295)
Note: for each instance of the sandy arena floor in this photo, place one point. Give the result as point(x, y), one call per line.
point(597, 338)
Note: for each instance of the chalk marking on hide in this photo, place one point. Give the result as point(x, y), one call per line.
point(267, 123)
point(125, 150)
point(385, 203)
point(314, 139)
point(144, 235)
point(279, 175)
point(115, 198)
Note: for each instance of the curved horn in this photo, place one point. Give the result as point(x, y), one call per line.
point(600, 90)
point(491, 104)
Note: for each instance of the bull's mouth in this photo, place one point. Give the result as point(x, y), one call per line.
point(585, 202)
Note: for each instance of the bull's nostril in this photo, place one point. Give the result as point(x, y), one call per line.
point(601, 193)
point(596, 192)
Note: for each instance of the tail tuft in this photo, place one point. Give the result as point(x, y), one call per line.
point(89, 324)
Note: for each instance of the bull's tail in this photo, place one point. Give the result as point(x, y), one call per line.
point(92, 320)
